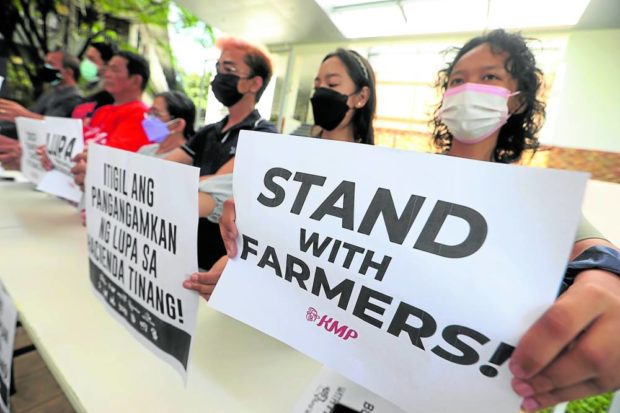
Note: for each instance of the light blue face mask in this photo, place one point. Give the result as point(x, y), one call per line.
point(156, 129)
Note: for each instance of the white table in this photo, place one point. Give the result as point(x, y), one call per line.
point(99, 365)
point(102, 368)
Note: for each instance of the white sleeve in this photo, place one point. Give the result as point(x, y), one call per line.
point(220, 187)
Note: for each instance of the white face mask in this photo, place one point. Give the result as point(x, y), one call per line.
point(473, 112)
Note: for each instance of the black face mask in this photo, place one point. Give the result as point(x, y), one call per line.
point(48, 74)
point(225, 89)
point(329, 108)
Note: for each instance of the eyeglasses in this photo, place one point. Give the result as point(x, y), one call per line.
point(160, 115)
point(229, 68)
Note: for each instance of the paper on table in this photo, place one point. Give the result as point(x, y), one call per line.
point(329, 388)
point(57, 183)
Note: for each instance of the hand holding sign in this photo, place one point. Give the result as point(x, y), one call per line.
point(228, 228)
point(79, 169)
point(573, 350)
point(46, 162)
point(204, 282)
point(10, 110)
point(10, 152)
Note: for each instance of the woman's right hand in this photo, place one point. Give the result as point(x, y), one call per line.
point(79, 169)
point(46, 162)
point(228, 228)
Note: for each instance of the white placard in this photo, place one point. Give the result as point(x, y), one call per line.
point(64, 140)
point(31, 133)
point(56, 183)
point(142, 219)
point(329, 391)
point(410, 274)
point(8, 319)
point(1, 81)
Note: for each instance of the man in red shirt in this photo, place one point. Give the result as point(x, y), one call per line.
point(120, 125)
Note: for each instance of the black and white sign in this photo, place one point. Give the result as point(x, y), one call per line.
point(411, 274)
point(8, 319)
point(142, 218)
point(63, 140)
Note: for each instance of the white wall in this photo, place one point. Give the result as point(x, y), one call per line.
point(583, 108)
point(600, 207)
point(588, 91)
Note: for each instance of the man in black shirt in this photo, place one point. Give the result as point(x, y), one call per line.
point(62, 71)
point(243, 72)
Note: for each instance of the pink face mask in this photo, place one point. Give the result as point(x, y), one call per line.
point(473, 112)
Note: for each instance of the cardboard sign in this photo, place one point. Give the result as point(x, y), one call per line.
point(64, 140)
point(8, 320)
point(331, 392)
point(142, 219)
point(411, 274)
point(31, 133)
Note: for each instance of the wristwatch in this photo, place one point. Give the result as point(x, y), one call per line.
point(598, 257)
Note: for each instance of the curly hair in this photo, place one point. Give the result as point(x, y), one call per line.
point(520, 131)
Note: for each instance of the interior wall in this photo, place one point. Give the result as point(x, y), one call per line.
point(589, 93)
point(583, 101)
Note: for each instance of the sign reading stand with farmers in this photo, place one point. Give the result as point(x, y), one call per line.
point(411, 274)
point(142, 218)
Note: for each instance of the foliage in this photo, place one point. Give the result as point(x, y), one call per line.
point(34, 27)
point(593, 404)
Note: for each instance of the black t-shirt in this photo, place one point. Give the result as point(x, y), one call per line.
point(210, 149)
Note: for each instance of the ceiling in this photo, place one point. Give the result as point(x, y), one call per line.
point(275, 22)
point(267, 21)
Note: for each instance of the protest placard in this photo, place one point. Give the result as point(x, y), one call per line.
point(8, 319)
point(31, 133)
point(63, 140)
point(330, 392)
point(142, 218)
point(411, 274)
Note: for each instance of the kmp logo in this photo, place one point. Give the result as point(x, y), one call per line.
point(329, 324)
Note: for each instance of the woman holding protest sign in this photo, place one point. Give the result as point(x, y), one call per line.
point(343, 105)
point(490, 112)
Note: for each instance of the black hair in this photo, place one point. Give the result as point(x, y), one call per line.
point(260, 65)
point(106, 49)
point(362, 75)
point(520, 131)
point(136, 65)
point(179, 106)
point(71, 62)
